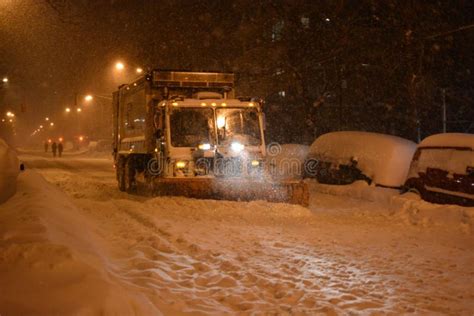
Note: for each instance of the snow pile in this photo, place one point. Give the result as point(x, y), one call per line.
point(407, 209)
point(50, 258)
point(9, 169)
point(383, 158)
point(358, 190)
point(412, 210)
point(286, 161)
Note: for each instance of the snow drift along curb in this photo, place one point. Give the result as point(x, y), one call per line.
point(50, 253)
point(9, 169)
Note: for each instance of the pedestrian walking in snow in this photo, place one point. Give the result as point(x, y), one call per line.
point(60, 149)
point(53, 148)
point(46, 145)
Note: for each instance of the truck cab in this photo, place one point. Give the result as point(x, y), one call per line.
point(210, 136)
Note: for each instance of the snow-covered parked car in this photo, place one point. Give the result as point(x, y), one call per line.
point(9, 169)
point(345, 157)
point(442, 170)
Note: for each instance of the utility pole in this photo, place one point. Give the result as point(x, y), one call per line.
point(444, 110)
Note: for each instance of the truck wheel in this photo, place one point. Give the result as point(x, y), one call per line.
point(121, 174)
point(130, 184)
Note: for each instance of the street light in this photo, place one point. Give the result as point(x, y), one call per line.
point(119, 66)
point(68, 110)
point(10, 114)
point(88, 98)
point(5, 79)
point(46, 118)
point(79, 110)
point(139, 70)
point(51, 124)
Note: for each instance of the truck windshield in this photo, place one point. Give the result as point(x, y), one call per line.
point(191, 126)
point(238, 124)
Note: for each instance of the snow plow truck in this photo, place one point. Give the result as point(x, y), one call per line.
point(184, 133)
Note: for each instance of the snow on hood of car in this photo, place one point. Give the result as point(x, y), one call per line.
point(384, 158)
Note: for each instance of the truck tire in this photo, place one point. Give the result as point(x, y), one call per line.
point(129, 176)
point(126, 175)
point(121, 174)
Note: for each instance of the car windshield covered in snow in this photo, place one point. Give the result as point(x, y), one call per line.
point(238, 124)
point(450, 160)
point(191, 126)
point(443, 175)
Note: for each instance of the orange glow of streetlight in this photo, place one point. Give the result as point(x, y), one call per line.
point(51, 124)
point(79, 110)
point(46, 118)
point(88, 98)
point(60, 139)
point(68, 110)
point(119, 66)
point(81, 138)
point(139, 70)
point(5, 79)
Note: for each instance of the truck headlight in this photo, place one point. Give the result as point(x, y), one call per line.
point(204, 146)
point(237, 147)
point(180, 164)
point(255, 163)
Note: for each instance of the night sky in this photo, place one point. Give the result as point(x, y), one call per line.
point(328, 57)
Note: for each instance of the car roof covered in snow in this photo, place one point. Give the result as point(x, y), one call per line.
point(384, 158)
point(449, 140)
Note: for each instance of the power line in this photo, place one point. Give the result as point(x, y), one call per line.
point(462, 28)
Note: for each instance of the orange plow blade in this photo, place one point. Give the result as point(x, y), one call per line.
point(293, 192)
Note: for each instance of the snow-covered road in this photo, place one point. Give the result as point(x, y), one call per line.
point(198, 256)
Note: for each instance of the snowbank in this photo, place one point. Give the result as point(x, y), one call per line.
point(408, 209)
point(51, 260)
point(358, 190)
point(286, 161)
point(9, 169)
point(449, 140)
point(383, 158)
point(411, 209)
